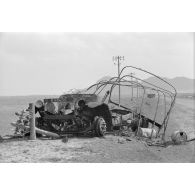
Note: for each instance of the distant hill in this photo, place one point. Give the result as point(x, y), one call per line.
point(182, 84)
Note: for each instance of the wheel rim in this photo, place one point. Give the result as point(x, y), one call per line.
point(101, 126)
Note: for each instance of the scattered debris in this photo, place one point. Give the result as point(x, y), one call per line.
point(22, 123)
point(156, 143)
point(128, 139)
point(121, 140)
point(65, 139)
point(179, 137)
point(147, 132)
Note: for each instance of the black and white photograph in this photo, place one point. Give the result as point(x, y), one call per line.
point(97, 97)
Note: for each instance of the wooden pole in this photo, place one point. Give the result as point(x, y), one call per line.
point(119, 93)
point(32, 121)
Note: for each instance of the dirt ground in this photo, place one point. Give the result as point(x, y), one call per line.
point(98, 150)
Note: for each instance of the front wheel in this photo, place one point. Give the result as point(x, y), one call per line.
point(100, 126)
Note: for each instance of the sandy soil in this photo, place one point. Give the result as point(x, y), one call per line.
point(105, 150)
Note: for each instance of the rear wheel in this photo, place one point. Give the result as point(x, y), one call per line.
point(100, 127)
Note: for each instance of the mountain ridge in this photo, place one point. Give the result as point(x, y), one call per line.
point(182, 84)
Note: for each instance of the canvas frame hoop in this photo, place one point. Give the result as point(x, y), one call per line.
point(118, 81)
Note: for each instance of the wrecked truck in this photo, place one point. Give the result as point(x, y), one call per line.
point(71, 114)
point(126, 102)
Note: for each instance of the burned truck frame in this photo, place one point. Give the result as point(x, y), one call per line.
point(110, 105)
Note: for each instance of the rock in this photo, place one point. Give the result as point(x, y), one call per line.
point(65, 139)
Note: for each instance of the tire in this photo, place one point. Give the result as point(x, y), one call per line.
point(100, 127)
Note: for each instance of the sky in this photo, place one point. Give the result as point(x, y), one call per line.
point(53, 63)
